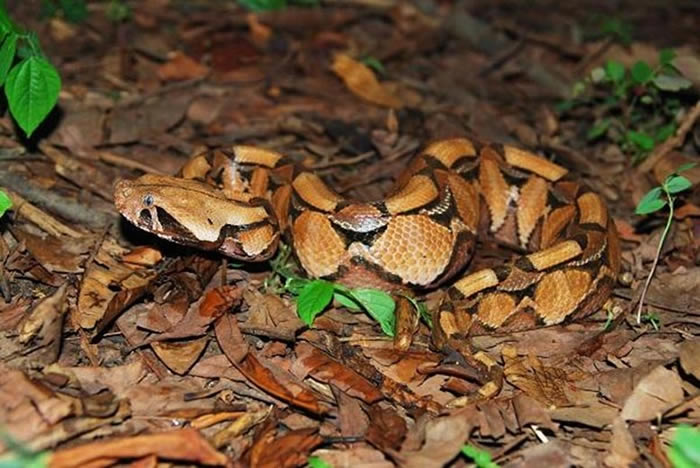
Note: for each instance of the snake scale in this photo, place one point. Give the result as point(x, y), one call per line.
point(241, 200)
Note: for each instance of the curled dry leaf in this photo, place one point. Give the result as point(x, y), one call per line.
point(655, 393)
point(361, 80)
point(181, 67)
point(185, 445)
point(444, 438)
point(690, 357)
point(320, 366)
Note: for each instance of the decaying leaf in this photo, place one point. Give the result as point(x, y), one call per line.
point(360, 79)
point(656, 392)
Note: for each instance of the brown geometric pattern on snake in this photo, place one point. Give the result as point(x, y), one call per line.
point(239, 201)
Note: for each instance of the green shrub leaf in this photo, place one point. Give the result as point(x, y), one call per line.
point(614, 70)
point(7, 56)
point(5, 203)
point(650, 202)
point(685, 448)
point(346, 301)
point(685, 167)
point(672, 83)
point(666, 56)
point(313, 298)
point(32, 89)
point(263, 5)
point(379, 305)
point(641, 72)
point(316, 462)
point(598, 129)
point(677, 184)
point(642, 140)
point(482, 458)
point(664, 132)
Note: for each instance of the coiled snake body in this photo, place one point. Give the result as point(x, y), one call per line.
point(241, 200)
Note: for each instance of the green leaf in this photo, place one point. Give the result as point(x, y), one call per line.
point(685, 167)
point(643, 140)
point(32, 89)
point(685, 447)
point(379, 305)
point(677, 183)
point(294, 285)
point(664, 132)
point(5, 203)
point(313, 299)
point(316, 462)
point(614, 70)
point(7, 55)
point(481, 458)
point(263, 5)
point(671, 83)
point(75, 11)
point(641, 72)
point(666, 56)
point(374, 63)
point(6, 23)
point(650, 202)
point(598, 129)
point(346, 301)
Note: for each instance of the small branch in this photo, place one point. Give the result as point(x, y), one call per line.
point(656, 258)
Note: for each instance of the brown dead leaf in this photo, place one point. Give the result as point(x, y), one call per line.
point(444, 438)
point(689, 66)
point(622, 452)
point(180, 356)
point(360, 79)
point(387, 428)
point(289, 450)
point(291, 392)
point(109, 286)
point(656, 392)
point(230, 338)
point(312, 361)
point(270, 316)
point(671, 162)
point(690, 357)
point(57, 254)
point(626, 231)
point(356, 456)
point(181, 67)
point(352, 420)
point(44, 326)
point(186, 445)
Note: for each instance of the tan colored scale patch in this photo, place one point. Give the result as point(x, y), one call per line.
point(517, 157)
point(613, 253)
point(415, 248)
point(555, 222)
point(449, 151)
point(255, 241)
point(466, 200)
point(255, 155)
point(419, 191)
point(319, 247)
point(518, 280)
point(496, 192)
point(476, 282)
point(592, 210)
point(596, 242)
point(555, 255)
point(313, 191)
point(259, 182)
point(532, 205)
point(280, 204)
point(559, 293)
point(495, 308)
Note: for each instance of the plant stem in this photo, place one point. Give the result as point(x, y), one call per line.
point(658, 254)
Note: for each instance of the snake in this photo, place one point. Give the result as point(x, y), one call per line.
point(241, 201)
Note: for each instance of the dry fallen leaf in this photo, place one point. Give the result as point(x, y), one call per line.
point(690, 357)
point(361, 80)
point(656, 392)
point(181, 67)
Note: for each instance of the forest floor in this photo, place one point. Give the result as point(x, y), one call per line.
point(122, 349)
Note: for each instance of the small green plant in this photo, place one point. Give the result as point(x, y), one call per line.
point(315, 295)
point(74, 11)
point(615, 29)
point(265, 5)
point(5, 203)
point(31, 84)
point(21, 456)
point(685, 447)
point(655, 200)
point(373, 63)
point(481, 458)
point(316, 462)
point(638, 106)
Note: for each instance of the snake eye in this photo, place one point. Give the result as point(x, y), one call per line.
point(148, 200)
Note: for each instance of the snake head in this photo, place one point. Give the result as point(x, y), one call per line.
point(192, 213)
